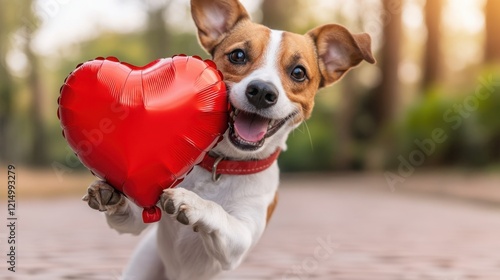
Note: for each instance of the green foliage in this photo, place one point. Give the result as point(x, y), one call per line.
point(469, 121)
point(420, 121)
point(486, 125)
point(311, 147)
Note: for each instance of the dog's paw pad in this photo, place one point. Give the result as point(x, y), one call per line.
point(94, 204)
point(182, 205)
point(101, 196)
point(181, 217)
point(169, 206)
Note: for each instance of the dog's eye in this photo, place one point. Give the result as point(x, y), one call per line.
point(238, 57)
point(299, 74)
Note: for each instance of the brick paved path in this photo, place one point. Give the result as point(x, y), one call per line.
point(323, 228)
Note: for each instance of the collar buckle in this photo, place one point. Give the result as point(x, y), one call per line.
point(216, 177)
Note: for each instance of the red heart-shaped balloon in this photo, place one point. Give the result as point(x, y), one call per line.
point(142, 129)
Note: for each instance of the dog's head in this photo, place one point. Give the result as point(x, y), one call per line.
point(272, 76)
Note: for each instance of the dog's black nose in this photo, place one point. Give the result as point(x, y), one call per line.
point(261, 94)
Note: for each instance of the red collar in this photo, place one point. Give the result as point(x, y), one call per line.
point(218, 165)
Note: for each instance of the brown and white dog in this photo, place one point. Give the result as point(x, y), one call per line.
point(272, 78)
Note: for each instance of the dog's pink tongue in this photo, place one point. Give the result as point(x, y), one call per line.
point(250, 127)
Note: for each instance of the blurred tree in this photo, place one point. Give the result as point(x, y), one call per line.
point(279, 14)
point(432, 56)
point(5, 80)
point(34, 81)
point(385, 96)
point(344, 120)
point(157, 34)
point(492, 10)
point(29, 25)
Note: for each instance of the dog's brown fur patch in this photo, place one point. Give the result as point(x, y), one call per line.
point(271, 207)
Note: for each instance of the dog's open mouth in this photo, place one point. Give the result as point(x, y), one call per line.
point(248, 131)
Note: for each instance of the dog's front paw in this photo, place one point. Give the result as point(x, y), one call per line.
point(184, 205)
point(101, 196)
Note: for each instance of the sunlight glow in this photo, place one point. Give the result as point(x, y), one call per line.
point(464, 15)
point(464, 22)
point(409, 72)
point(413, 15)
point(18, 63)
point(74, 21)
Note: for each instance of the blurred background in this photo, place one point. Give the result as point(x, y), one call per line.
point(432, 56)
point(430, 106)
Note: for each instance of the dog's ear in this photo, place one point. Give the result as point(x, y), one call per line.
point(214, 18)
point(339, 50)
